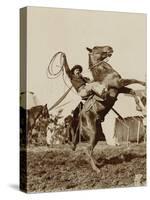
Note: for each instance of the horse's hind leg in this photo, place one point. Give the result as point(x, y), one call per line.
point(93, 142)
point(98, 138)
point(125, 82)
point(89, 153)
point(75, 138)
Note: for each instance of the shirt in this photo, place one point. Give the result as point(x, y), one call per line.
point(77, 82)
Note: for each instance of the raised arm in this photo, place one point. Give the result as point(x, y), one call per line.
point(66, 66)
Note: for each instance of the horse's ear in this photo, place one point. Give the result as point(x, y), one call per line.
point(90, 50)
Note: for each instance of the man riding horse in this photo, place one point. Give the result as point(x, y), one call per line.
point(107, 85)
point(83, 85)
point(85, 88)
point(105, 77)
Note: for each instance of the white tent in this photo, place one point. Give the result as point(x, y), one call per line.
point(126, 107)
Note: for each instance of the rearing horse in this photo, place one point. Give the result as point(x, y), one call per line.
point(90, 119)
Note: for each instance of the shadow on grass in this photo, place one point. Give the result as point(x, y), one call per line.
point(120, 159)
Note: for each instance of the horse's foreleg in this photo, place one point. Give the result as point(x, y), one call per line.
point(138, 106)
point(125, 82)
point(130, 91)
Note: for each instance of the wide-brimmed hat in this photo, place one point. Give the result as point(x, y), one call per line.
point(77, 67)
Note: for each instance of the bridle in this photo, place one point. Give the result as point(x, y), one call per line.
point(91, 67)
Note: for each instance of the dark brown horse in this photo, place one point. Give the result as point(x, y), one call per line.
point(29, 117)
point(94, 110)
point(36, 112)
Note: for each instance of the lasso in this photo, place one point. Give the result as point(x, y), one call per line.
point(50, 70)
point(53, 75)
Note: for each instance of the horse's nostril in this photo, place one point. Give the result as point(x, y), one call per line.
point(111, 49)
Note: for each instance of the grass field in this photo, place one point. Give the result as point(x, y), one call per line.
point(59, 168)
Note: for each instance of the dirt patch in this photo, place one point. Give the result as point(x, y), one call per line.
point(60, 168)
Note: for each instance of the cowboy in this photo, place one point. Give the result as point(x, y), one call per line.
point(83, 85)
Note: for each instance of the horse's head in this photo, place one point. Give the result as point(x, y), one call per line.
point(100, 53)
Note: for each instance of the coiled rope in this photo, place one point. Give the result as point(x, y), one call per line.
point(53, 75)
point(50, 70)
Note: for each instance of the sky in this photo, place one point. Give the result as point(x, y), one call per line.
point(71, 31)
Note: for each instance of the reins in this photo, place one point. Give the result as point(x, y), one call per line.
point(91, 67)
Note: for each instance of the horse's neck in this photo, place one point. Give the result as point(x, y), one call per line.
point(96, 72)
point(92, 60)
point(99, 69)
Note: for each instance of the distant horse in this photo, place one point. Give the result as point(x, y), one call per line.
point(29, 118)
point(36, 112)
point(94, 109)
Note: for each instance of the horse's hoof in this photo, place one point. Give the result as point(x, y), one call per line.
point(73, 147)
point(101, 163)
point(117, 144)
point(138, 108)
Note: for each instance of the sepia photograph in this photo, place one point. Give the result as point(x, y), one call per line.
point(82, 99)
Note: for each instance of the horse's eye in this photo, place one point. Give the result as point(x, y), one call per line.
point(104, 54)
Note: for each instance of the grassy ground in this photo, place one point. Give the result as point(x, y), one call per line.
point(60, 168)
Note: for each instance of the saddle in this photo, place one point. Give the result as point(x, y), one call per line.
point(85, 104)
point(90, 101)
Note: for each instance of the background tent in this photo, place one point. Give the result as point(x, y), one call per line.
point(127, 109)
